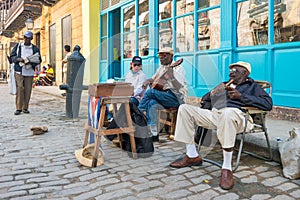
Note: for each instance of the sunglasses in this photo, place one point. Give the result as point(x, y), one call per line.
point(235, 70)
point(136, 65)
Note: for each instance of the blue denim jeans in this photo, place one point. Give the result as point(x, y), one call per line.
point(153, 100)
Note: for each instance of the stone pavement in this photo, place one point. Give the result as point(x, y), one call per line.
point(44, 166)
point(276, 128)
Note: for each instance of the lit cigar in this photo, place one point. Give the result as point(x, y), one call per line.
point(229, 82)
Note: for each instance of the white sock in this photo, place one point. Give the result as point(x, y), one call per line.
point(191, 151)
point(153, 129)
point(227, 158)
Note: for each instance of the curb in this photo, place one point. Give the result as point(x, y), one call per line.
point(49, 93)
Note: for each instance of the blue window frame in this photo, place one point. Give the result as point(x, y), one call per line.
point(211, 34)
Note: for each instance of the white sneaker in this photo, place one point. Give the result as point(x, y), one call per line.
point(153, 130)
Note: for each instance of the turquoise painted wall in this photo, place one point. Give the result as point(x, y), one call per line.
point(276, 63)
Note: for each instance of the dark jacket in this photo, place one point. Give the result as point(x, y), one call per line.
point(14, 57)
point(252, 95)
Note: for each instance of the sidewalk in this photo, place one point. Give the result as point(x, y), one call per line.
point(276, 128)
point(44, 166)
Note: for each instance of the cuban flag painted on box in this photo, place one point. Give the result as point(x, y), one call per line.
point(94, 108)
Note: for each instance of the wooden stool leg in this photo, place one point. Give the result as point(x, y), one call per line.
point(120, 140)
point(96, 151)
point(170, 119)
point(173, 123)
point(86, 138)
point(98, 136)
point(158, 121)
point(131, 134)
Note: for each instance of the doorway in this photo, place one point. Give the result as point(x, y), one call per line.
point(114, 50)
point(52, 47)
point(66, 24)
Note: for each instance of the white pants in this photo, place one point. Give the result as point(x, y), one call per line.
point(227, 121)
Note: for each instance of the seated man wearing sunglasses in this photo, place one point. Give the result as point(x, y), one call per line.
point(136, 77)
point(226, 101)
point(168, 89)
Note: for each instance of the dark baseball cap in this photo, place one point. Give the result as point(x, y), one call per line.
point(137, 60)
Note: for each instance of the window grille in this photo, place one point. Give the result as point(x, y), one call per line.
point(105, 4)
point(114, 2)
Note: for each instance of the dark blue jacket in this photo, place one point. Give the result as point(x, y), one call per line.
point(252, 95)
point(14, 56)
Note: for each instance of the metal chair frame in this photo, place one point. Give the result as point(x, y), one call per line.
point(259, 117)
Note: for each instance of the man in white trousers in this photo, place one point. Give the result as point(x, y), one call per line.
point(226, 115)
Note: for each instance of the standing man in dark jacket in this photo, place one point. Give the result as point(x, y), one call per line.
point(226, 100)
point(25, 57)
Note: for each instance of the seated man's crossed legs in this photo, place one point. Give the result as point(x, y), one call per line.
point(227, 121)
point(153, 100)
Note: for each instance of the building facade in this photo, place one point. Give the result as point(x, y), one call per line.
point(55, 23)
point(208, 35)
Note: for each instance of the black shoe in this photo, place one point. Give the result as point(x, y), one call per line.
point(18, 112)
point(26, 111)
point(155, 138)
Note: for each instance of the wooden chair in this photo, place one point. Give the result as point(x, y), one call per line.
point(259, 118)
point(167, 118)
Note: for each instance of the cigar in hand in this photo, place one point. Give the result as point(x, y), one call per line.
point(228, 84)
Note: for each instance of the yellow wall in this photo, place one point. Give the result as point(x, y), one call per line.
point(91, 33)
point(53, 16)
point(44, 22)
point(62, 9)
point(85, 33)
point(4, 64)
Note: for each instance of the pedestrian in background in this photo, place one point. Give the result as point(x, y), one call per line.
point(48, 79)
point(65, 62)
point(26, 57)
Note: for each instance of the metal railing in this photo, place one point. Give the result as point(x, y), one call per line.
point(12, 9)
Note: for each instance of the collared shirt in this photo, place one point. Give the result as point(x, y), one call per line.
point(25, 52)
point(179, 74)
point(136, 79)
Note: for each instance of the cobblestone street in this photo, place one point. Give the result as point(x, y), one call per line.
point(44, 166)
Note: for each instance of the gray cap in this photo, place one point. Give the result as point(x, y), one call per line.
point(28, 34)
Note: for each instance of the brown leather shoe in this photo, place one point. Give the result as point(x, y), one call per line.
point(187, 162)
point(226, 180)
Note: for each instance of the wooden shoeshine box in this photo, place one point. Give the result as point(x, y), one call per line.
point(111, 89)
